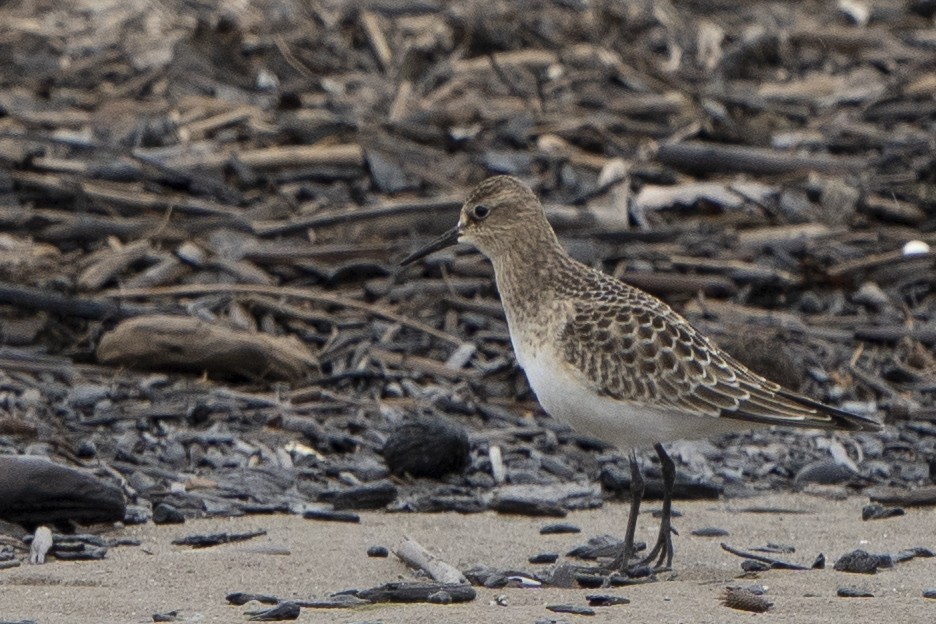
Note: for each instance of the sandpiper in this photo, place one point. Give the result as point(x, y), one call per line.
point(611, 360)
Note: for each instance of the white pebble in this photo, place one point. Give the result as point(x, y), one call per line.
point(915, 248)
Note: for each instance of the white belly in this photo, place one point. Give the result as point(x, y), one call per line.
point(622, 423)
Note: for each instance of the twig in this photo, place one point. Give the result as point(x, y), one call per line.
point(773, 563)
point(280, 291)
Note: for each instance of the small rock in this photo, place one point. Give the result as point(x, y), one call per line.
point(824, 471)
point(862, 562)
point(853, 592)
point(605, 600)
point(573, 609)
point(871, 296)
point(929, 592)
point(753, 565)
point(440, 597)
point(167, 514)
point(876, 511)
point(559, 527)
point(427, 447)
point(331, 515)
point(378, 551)
point(36, 490)
point(137, 514)
point(283, 611)
point(369, 496)
point(710, 532)
point(545, 557)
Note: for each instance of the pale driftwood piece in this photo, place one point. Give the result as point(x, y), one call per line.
point(41, 543)
point(347, 155)
point(188, 343)
point(199, 128)
point(168, 270)
point(784, 236)
point(726, 195)
point(555, 145)
point(894, 210)
point(415, 363)
point(701, 157)
point(460, 357)
point(413, 554)
point(498, 470)
point(615, 177)
point(107, 263)
point(740, 271)
point(376, 39)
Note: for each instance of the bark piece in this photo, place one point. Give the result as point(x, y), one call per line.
point(160, 341)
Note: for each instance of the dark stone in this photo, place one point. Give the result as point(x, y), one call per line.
point(242, 598)
point(573, 609)
point(527, 507)
point(427, 447)
point(282, 611)
point(876, 511)
point(558, 528)
point(35, 490)
point(404, 591)
point(214, 539)
point(545, 557)
point(862, 562)
point(853, 592)
point(370, 496)
point(824, 471)
point(331, 515)
point(378, 551)
point(137, 514)
point(601, 546)
point(167, 514)
point(605, 600)
point(710, 532)
point(753, 565)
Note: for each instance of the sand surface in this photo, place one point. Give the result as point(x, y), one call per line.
point(310, 559)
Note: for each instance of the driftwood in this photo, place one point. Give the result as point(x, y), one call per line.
point(195, 345)
point(413, 554)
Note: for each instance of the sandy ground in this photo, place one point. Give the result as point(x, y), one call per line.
point(309, 559)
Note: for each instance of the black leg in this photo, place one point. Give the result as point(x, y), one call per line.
point(663, 549)
point(622, 561)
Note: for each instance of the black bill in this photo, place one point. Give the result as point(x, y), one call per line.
point(446, 240)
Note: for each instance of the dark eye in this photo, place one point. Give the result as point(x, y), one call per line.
point(480, 212)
